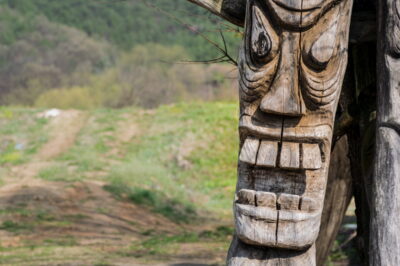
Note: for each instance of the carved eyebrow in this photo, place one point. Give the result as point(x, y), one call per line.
point(233, 11)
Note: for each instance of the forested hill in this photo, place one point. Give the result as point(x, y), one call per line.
point(127, 23)
point(110, 53)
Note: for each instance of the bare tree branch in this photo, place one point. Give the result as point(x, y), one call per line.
point(223, 50)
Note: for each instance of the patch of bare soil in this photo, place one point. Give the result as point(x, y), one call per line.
point(127, 129)
point(65, 128)
point(83, 210)
point(83, 222)
point(188, 144)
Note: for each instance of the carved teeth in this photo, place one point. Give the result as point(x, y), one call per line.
point(288, 201)
point(246, 196)
point(290, 155)
point(283, 201)
point(308, 204)
point(311, 156)
point(267, 153)
point(249, 151)
point(266, 199)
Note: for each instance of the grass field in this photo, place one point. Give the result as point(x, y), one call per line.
point(118, 187)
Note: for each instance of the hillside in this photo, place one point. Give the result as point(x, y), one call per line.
point(131, 22)
point(102, 53)
point(117, 187)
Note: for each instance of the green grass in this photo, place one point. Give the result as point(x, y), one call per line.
point(347, 253)
point(148, 166)
point(167, 244)
point(19, 211)
point(22, 133)
point(28, 220)
point(175, 210)
point(43, 254)
point(58, 172)
point(93, 143)
point(150, 161)
point(63, 241)
point(12, 226)
point(146, 170)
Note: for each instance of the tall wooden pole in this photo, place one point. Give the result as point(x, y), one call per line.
point(385, 207)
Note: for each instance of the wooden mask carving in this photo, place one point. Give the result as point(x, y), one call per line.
point(292, 64)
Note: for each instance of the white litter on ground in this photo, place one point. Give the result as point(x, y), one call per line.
point(50, 113)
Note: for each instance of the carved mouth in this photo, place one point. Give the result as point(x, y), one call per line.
point(282, 173)
point(285, 155)
point(268, 201)
point(285, 144)
point(310, 129)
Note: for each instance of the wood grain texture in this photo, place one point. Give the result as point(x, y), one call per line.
point(290, 155)
point(363, 25)
point(337, 198)
point(311, 156)
point(385, 203)
point(291, 64)
point(248, 153)
point(267, 154)
point(290, 83)
point(241, 254)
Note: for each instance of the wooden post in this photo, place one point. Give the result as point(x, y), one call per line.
point(291, 64)
point(385, 203)
point(337, 199)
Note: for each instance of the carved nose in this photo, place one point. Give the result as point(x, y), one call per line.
point(284, 96)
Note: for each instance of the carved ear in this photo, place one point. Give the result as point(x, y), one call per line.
point(232, 10)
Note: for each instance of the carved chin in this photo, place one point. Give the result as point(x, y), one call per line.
point(291, 232)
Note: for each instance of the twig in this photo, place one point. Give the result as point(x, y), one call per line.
point(225, 55)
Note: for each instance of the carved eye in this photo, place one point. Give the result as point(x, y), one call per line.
point(322, 49)
point(260, 41)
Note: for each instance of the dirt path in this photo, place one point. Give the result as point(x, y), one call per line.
point(64, 129)
point(80, 222)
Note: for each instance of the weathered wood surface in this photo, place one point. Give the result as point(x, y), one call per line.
point(385, 204)
point(291, 72)
point(363, 24)
point(246, 255)
point(291, 64)
point(337, 199)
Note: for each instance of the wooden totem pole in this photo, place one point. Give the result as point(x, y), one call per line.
point(292, 64)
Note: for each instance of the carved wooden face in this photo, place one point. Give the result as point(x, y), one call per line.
point(291, 67)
